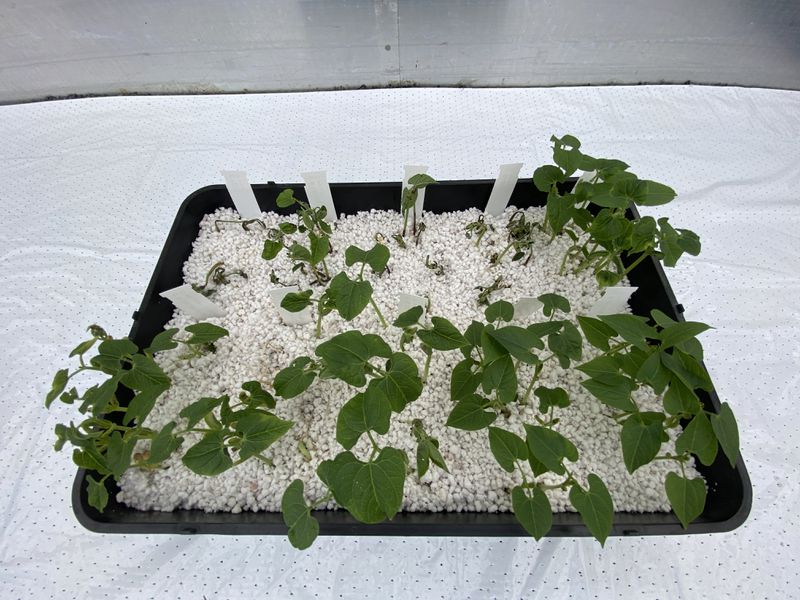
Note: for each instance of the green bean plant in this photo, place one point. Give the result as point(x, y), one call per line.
point(408, 205)
point(594, 214)
point(349, 297)
point(308, 258)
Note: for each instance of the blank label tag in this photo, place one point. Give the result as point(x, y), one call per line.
point(290, 318)
point(242, 194)
point(410, 171)
point(614, 301)
point(525, 307)
point(193, 303)
point(503, 188)
point(408, 301)
point(319, 192)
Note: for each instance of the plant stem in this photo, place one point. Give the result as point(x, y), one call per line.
point(327, 497)
point(319, 323)
point(427, 367)
point(378, 312)
point(635, 263)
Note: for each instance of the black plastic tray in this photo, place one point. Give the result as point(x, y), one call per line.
point(729, 491)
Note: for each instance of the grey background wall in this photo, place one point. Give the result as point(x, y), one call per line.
point(61, 47)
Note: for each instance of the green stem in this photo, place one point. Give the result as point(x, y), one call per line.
point(427, 367)
point(378, 312)
point(534, 379)
point(326, 498)
point(522, 472)
point(503, 253)
point(375, 447)
point(319, 323)
point(635, 263)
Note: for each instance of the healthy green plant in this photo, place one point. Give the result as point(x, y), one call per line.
point(371, 489)
point(115, 409)
point(217, 275)
point(408, 204)
point(308, 258)
point(666, 357)
point(603, 237)
point(349, 297)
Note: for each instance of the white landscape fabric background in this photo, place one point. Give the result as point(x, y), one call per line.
point(89, 189)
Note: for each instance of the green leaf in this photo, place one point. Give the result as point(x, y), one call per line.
point(677, 333)
point(363, 412)
point(350, 297)
point(641, 438)
point(631, 328)
point(303, 528)
point(145, 374)
point(612, 390)
point(320, 247)
point(550, 447)
point(595, 507)
point(209, 456)
point(548, 397)
point(469, 414)
point(427, 452)
point(473, 333)
point(553, 302)
point(687, 369)
point(518, 341)
point(686, 496)
point(83, 347)
point(653, 373)
point(258, 395)
point(287, 228)
point(163, 341)
point(651, 193)
point(558, 210)
point(507, 447)
point(409, 317)
point(546, 328)
point(402, 383)
point(492, 349)
point(597, 333)
point(117, 348)
point(98, 495)
point(500, 375)
point(443, 336)
point(545, 176)
point(258, 431)
point(271, 249)
point(689, 241)
point(141, 404)
point(296, 301)
point(371, 491)
point(196, 411)
point(346, 355)
point(463, 382)
point(90, 458)
point(532, 509)
point(600, 366)
point(118, 454)
point(286, 198)
point(727, 432)
point(567, 345)
point(679, 399)
point(421, 180)
point(58, 385)
point(205, 333)
point(164, 444)
point(376, 257)
point(293, 380)
point(501, 309)
point(698, 438)
point(299, 253)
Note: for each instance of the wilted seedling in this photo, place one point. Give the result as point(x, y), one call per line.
point(487, 290)
point(246, 224)
point(434, 266)
point(478, 228)
point(217, 275)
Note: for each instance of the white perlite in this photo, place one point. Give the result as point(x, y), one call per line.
point(259, 345)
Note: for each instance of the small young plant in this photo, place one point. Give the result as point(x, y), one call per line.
point(105, 439)
point(349, 297)
point(246, 427)
point(310, 258)
point(371, 490)
point(436, 267)
point(478, 228)
point(217, 275)
point(200, 342)
point(665, 357)
point(408, 203)
point(427, 450)
point(603, 237)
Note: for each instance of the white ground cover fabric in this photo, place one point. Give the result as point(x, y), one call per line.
point(89, 191)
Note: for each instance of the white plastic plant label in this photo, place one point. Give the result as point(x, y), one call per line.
point(290, 318)
point(408, 301)
point(193, 303)
point(503, 188)
point(319, 192)
point(242, 194)
point(612, 302)
point(409, 172)
point(526, 306)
